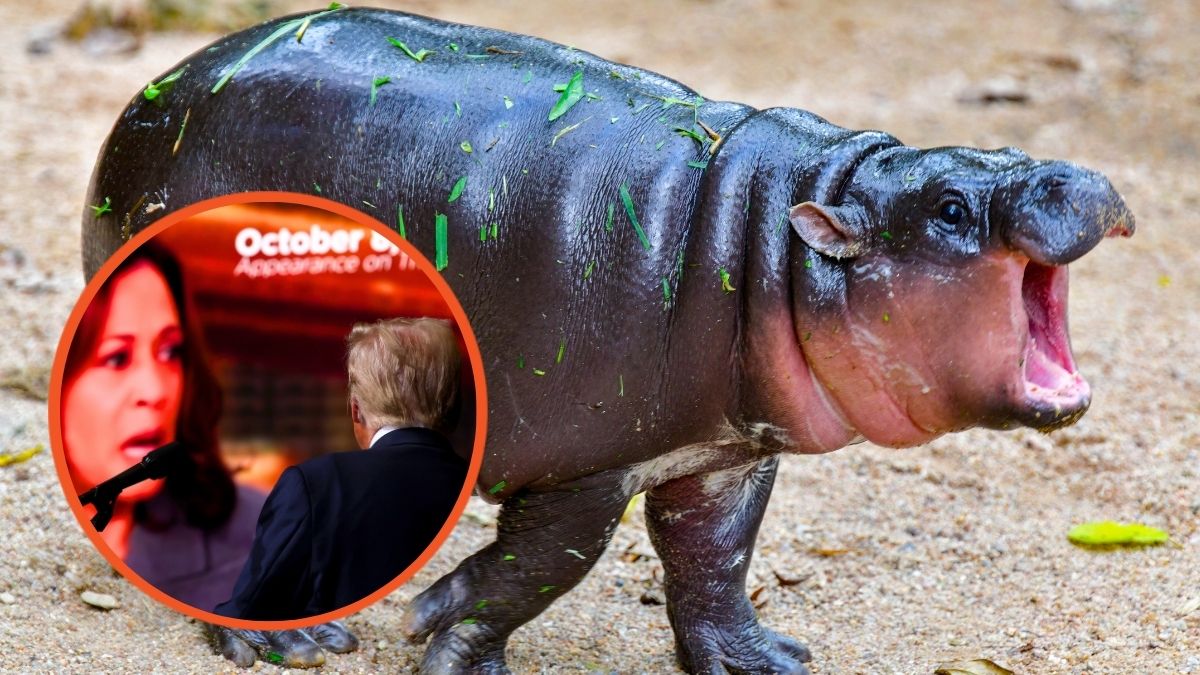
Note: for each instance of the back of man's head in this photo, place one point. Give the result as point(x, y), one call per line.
point(403, 372)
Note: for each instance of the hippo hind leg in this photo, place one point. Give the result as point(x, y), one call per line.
point(703, 527)
point(546, 542)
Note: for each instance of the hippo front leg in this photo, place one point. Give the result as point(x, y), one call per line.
point(703, 527)
point(546, 542)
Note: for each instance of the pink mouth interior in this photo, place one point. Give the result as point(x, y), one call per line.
point(138, 446)
point(1049, 368)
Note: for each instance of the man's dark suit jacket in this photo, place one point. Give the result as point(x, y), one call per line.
point(337, 528)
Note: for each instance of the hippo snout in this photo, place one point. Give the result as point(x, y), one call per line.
point(1054, 212)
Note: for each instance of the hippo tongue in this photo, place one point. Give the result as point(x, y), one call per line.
point(1049, 367)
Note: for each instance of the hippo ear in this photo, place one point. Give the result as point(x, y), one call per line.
point(834, 231)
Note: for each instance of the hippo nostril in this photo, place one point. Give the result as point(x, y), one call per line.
point(1055, 182)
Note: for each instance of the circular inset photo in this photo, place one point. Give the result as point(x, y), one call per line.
point(267, 411)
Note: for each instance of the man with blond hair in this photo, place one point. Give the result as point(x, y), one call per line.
point(339, 527)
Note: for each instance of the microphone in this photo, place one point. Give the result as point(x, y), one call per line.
point(156, 464)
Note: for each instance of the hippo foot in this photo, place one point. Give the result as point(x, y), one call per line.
point(465, 648)
point(303, 648)
point(542, 549)
point(709, 648)
point(459, 640)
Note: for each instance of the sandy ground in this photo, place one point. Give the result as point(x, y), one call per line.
point(954, 550)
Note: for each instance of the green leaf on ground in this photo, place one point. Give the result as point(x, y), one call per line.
point(1111, 533)
point(7, 458)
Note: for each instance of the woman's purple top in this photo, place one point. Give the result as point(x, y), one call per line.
point(197, 567)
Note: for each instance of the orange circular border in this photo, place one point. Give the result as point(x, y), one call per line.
point(349, 213)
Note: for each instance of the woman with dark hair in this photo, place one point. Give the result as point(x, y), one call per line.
point(136, 378)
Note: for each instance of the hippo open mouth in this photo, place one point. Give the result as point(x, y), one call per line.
point(1054, 391)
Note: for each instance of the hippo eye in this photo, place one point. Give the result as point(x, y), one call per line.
point(952, 213)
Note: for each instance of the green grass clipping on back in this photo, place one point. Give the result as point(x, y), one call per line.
point(441, 243)
point(282, 30)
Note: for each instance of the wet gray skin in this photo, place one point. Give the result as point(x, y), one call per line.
point(794, 288)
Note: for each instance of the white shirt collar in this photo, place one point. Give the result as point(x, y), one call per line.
point(383, 431)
